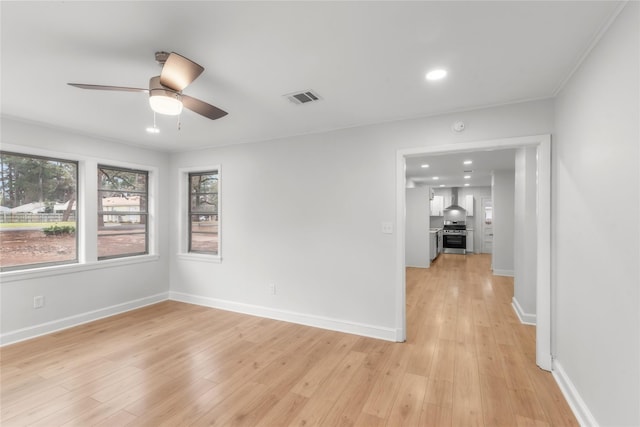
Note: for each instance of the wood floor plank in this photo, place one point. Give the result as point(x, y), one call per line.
point(121, 418)
point(234, 409)
point(496, 408)
point(154, 411)
point(467, 361)
point(407, 407)
point(467, 401)
point(64, 415)
point(312, 380)
point(349, 404)
point(384, 391)
point(283, 412)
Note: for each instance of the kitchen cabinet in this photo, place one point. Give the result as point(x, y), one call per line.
point(469, 240)
point(433, 245)
point(468, 204)
point(437, 206)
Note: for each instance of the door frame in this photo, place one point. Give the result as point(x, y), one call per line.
point(543, 219)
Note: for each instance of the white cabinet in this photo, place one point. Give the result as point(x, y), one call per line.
point(433, 245)
point(437, 206)
point(469, 240)
point(468, 204)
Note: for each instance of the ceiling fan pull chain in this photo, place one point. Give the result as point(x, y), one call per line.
point(179, 121)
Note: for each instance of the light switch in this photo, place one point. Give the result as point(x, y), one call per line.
point(387, 227)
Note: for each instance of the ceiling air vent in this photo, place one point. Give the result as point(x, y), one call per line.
point(303, 97)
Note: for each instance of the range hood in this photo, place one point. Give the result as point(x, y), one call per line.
point(454, 202)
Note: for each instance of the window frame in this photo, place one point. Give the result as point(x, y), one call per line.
point(184, 215)
point(76, 260)
point(146, 214)
point(191, 212)
point(86, 231)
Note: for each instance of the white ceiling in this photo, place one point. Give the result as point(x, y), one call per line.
point(450, 168)
point(366, 59)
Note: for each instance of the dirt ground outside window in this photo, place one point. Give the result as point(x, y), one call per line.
point(25, 247)
point(20, 247)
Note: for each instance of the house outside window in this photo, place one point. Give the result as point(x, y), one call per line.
point(123, 213)
point(38, 219)
point(203, 213)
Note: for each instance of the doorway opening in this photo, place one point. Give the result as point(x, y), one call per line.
point(542, 144)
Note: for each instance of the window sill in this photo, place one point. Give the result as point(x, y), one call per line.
point(213, 259)
point(54, 270)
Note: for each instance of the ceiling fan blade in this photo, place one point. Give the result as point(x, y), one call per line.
point(178, 72)
point(101, 87)
point(202, 108)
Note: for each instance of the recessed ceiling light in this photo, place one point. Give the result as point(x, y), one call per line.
point(467, 184)
point(468, 162)
point(467, 177)
point(441, 185)
point(424, 166)
point(436, 74)
point(153, 130)
point(435, 178)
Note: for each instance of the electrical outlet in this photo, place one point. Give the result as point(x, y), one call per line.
point(38, 301)
point(387, 227)
point(272, 288)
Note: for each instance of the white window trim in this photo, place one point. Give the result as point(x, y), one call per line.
point(152, 207)
point(86, 213)
point(183, 216)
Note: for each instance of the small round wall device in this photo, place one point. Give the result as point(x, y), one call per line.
point(458, 126)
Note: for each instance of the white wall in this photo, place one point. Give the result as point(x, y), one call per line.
point(502, 189)
point(84, 292)
point(305, 213)
point(525, 231)
point(597, 231)
point(417, 227)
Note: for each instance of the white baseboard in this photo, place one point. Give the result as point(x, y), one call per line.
point(525, 318)
point(578, 406)
point(388, 334)
point(508, 273)
point(78, 319)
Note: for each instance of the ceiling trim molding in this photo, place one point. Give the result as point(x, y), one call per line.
point(594, 42)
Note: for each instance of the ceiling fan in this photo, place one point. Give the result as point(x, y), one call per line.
point(165, 90)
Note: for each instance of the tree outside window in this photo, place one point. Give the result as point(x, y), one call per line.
point(38, 219)
point(203, 212)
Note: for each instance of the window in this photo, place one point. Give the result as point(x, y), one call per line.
point(38, 219)
point(123, 215)
point(203, 212)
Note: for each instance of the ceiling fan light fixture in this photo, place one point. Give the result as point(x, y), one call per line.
point(162, 103)
point(163, 100)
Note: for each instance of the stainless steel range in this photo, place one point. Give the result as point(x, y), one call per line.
point(454, 237)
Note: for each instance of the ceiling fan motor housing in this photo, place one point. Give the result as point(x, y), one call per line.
point(164, 100)
point(161, 57)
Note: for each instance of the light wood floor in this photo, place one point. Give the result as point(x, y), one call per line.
point(467, 361)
